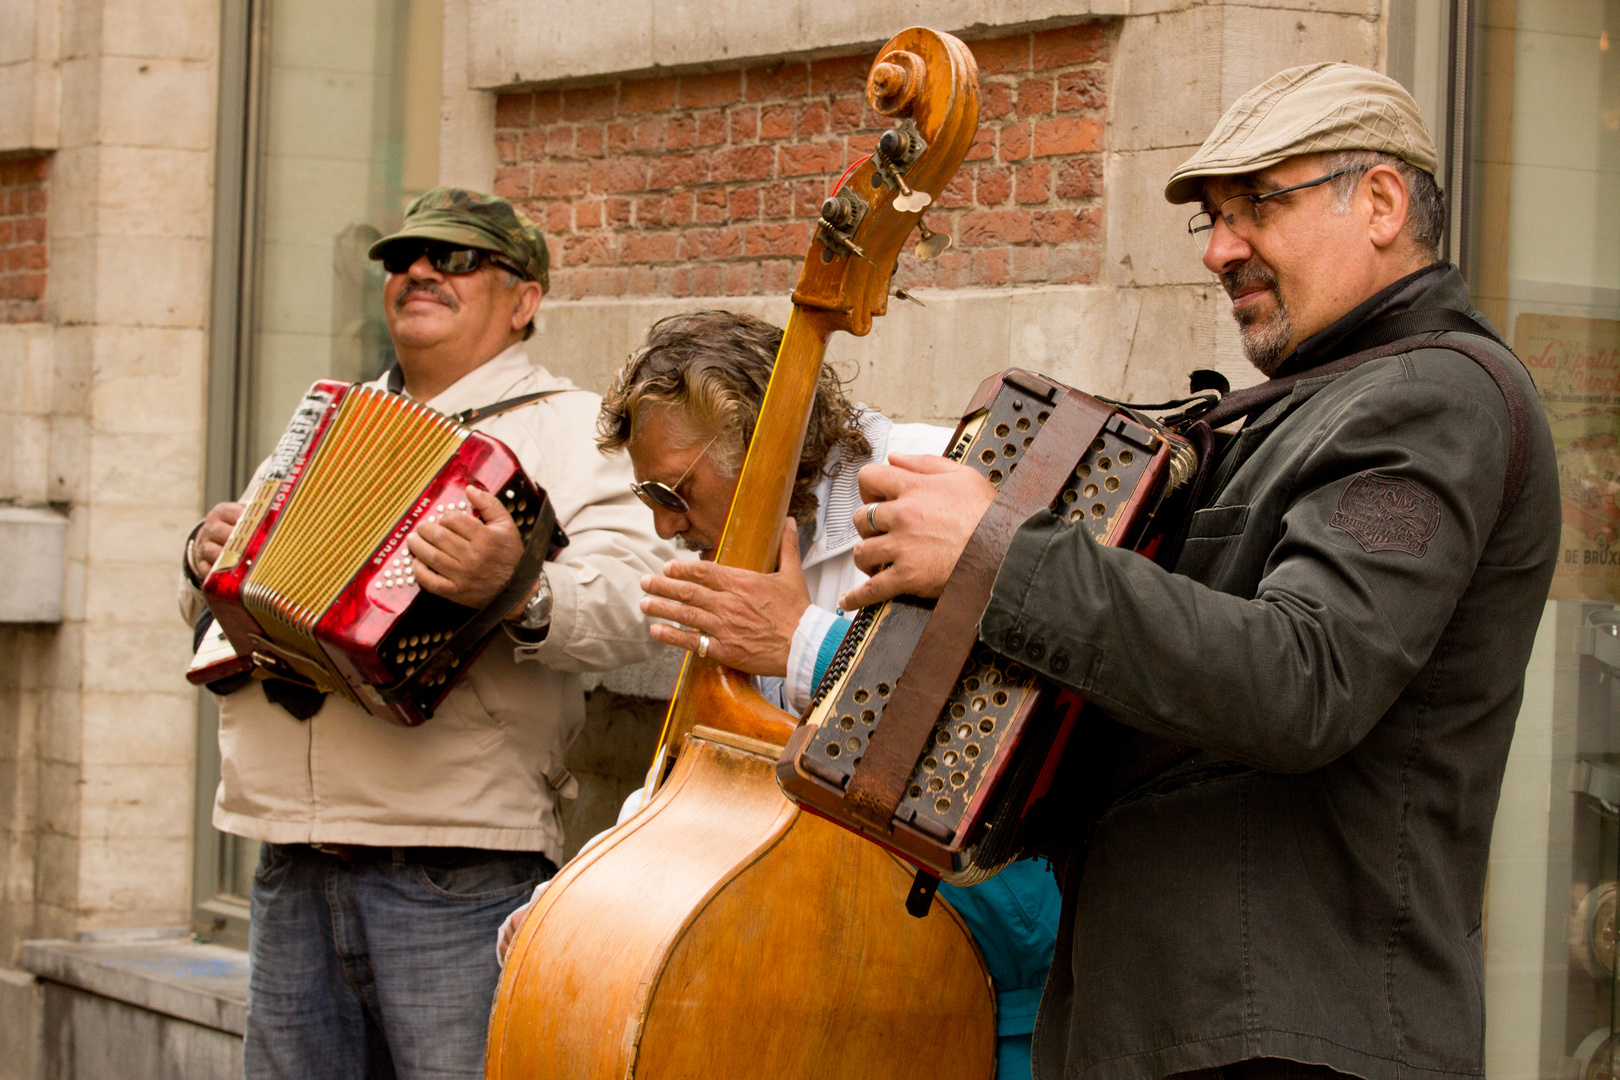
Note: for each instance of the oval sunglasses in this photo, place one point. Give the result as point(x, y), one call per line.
point(658, 495)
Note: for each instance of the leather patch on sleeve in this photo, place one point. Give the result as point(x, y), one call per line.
point(1388, 513)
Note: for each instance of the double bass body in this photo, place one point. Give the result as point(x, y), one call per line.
point(722, 932)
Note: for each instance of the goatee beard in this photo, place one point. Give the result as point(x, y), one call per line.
point(1265, 336)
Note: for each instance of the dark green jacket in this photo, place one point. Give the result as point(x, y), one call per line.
point(1346, 639)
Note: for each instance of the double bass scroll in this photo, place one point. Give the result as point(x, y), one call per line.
point(929, 82)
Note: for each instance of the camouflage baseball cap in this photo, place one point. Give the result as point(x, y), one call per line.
point(459, 216)
point(1314, 109)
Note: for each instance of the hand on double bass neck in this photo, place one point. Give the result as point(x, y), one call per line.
point(749, 617)
point(923, 510)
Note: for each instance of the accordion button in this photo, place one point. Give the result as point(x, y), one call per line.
point(1060, 662)
point(1035, 650)
point(1015, 639)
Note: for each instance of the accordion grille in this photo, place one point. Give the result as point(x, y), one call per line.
point(373, 462)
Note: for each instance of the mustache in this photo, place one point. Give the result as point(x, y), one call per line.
point(431, 289)
point(687, 542)
point(1247, 274)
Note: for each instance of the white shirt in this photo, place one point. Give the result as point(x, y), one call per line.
point(829, 561)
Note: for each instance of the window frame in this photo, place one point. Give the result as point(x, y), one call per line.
point(218, 913)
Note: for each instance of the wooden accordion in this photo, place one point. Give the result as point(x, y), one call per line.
point(919, 737)
point(316, 585)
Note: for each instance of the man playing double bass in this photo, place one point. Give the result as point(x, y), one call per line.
point(1342, 643)
point(684, 409)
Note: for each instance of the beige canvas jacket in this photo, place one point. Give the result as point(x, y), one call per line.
point(476, 774)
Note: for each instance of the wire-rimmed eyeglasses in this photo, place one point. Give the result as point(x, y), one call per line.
point(1242, 212)
point(661, 496)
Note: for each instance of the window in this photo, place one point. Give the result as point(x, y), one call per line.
point(329, 126)
point(1543, 262)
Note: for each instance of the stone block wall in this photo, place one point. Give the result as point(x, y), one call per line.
point(101, 398)
point(609, 759)
point(708, 184)
point(23, 258)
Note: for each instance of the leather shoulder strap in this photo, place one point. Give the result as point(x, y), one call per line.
point(1409, 324)
point(1518, 462)
point(920, 692)
point(1245, 402)
point(484, 412)
point(394, 383)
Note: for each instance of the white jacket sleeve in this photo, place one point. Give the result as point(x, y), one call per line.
point(805, 649)
point(596, 619)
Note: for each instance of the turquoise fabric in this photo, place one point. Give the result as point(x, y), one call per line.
point(1014, 918)
point(828, 648)
point(1012, 1058)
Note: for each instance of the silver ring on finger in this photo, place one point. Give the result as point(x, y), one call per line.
point(703, 646)
point(871, 519)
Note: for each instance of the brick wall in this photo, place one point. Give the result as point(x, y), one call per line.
point(705, 185)
point(22, 238)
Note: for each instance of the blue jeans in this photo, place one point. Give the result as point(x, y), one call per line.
point(371, 970)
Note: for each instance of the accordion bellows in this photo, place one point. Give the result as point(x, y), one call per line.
point(315, 583)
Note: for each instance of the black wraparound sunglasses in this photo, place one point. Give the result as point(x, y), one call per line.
point(445, 258)
point(661, 496)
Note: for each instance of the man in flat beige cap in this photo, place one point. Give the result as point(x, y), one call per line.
point(1338, 643)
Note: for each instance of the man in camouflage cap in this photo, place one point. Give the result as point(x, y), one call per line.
point(391, 855)
point(486, 222)
point(1338, 646)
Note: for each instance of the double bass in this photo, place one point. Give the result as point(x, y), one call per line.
point(722, 931)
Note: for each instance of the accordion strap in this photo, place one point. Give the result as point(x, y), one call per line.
point(879, 781)
point(1248, 401)
point(484, 412)
point(394, 383)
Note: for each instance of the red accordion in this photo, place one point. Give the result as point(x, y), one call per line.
point(315, 583)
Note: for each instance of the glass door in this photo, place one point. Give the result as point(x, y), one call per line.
point(1543, 243)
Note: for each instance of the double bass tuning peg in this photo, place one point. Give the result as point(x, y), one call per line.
point(911, 202)
point(932, 245)
point(841, 215)
point(896, 150)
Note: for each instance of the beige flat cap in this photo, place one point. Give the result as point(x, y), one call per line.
point(1314, 109)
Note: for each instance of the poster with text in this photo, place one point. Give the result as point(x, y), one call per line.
point(1576, 364)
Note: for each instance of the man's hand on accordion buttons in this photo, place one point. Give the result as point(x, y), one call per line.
point(463, 558)
point(749, 617)
point(923, 510)
point(210, 539)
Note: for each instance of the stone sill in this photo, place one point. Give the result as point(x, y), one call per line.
point(576, 40)
point(202, 984)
